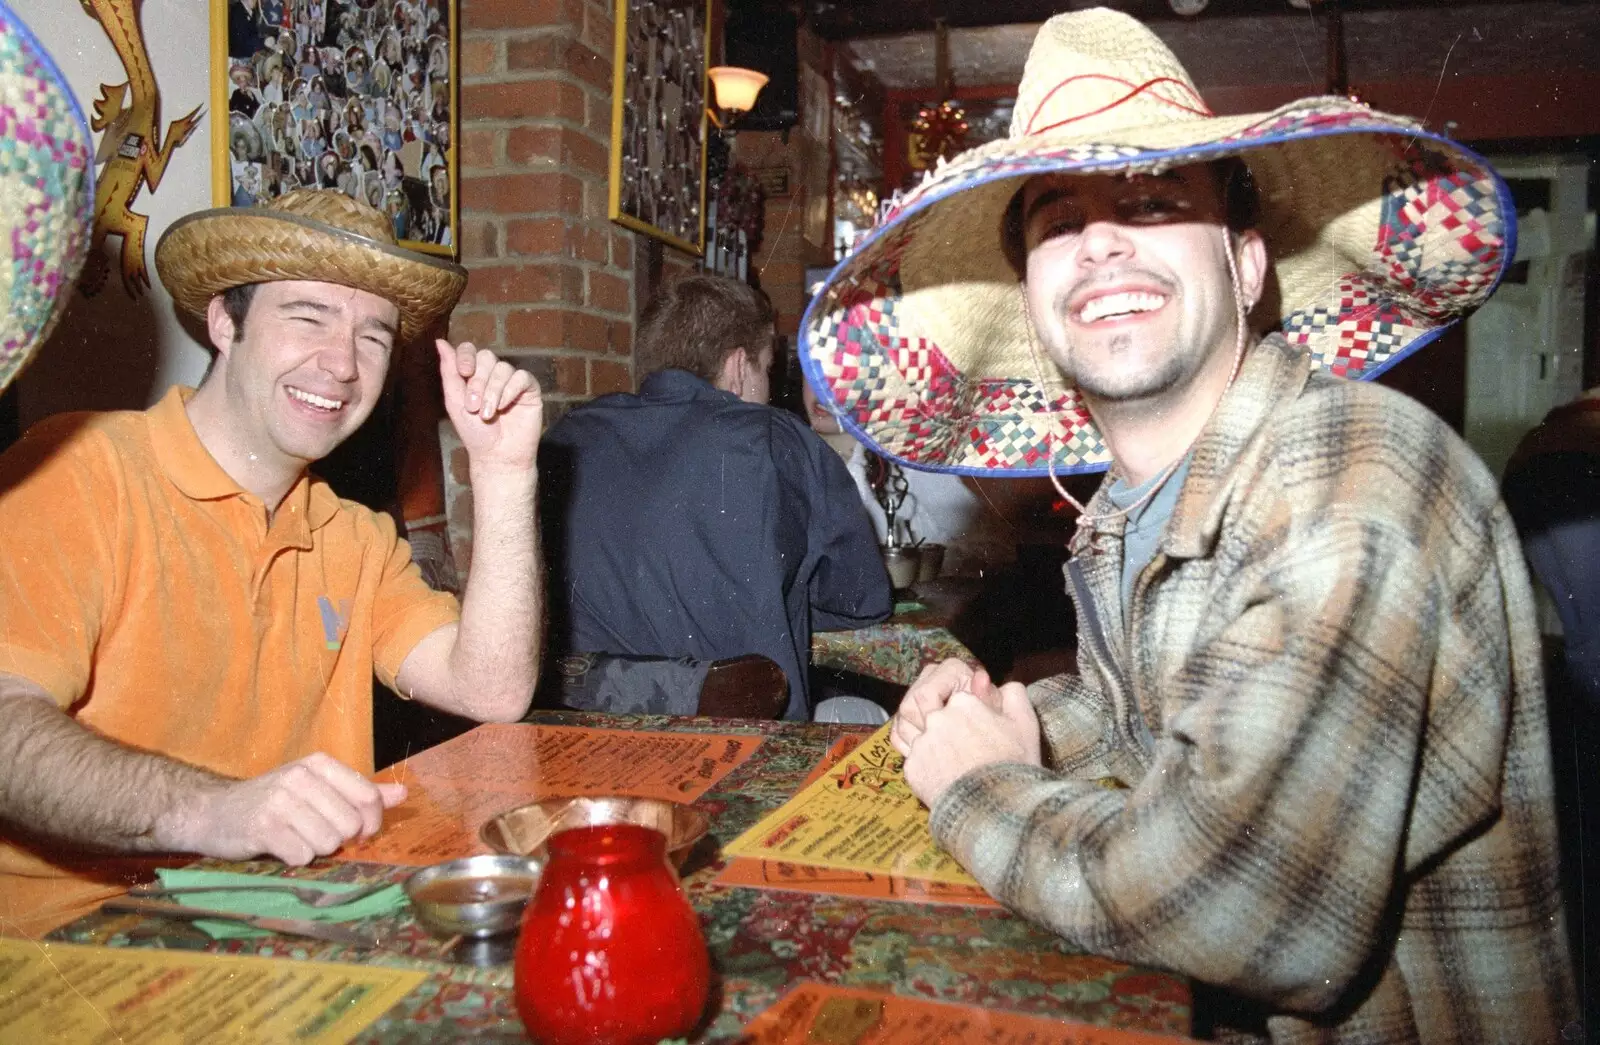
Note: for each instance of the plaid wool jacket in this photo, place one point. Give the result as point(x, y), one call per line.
point(1325, 712)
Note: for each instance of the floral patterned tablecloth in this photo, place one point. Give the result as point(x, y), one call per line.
point(761, 941)
point(892, 651)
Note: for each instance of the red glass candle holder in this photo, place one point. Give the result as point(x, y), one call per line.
point(610, 951)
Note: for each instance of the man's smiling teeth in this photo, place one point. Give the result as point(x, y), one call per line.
point(1120, 304)
point(315, 400)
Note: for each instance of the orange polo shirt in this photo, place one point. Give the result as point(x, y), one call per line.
point(149, 594)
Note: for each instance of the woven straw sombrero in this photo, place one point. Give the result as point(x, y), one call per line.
point(312, 234)
point(46, 193)
point(1381, 235)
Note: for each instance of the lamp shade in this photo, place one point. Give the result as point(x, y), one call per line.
point(736, 88)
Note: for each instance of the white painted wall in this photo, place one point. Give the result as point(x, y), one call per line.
point(114, 351)
point(1525, 345)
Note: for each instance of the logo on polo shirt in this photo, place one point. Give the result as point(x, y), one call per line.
point(334, 622)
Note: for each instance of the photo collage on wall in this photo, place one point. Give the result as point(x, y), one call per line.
point(353, 95)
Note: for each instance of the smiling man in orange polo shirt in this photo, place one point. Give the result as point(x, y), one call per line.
point(190, 621)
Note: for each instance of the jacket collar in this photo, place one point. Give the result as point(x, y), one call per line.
point(680, 386)
point(1273, 372)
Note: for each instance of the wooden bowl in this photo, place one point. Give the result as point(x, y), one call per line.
point(522, 831)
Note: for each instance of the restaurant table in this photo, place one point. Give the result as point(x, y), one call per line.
point(918, 633)
point(762, 941)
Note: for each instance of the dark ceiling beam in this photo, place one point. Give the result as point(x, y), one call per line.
point(857, 19)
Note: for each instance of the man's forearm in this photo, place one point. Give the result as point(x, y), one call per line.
point(61, 781)
point(495, 662)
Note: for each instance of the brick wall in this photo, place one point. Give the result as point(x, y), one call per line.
point(552, 279)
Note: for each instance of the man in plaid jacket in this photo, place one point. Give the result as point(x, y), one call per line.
point(1322, 721)
point(1304, 760)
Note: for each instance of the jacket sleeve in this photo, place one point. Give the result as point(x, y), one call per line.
point(1079, 731)
point(849, 587)
point(1264, 847)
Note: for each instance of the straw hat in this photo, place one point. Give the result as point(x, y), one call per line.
point(46, 193)
point(312, 234)
point(1381, 235)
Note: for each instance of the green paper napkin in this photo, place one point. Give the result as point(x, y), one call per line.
point(907, 607)
point(270, 903)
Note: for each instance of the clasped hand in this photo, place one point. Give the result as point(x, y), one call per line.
point(954, 720)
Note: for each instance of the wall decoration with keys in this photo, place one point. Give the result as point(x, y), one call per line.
point(658, 120)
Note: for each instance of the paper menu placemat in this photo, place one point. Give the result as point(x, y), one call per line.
point(822, 1014)
point(801, 878)
point(579, 760)
point(865, 885)
point(57, 992)
point(858, 816)
point(458, 786)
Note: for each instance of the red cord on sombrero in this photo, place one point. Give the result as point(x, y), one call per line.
point(1199, 108)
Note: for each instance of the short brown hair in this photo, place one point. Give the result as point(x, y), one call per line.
point(1241, 201)
point(694, 322)
point(236, 303)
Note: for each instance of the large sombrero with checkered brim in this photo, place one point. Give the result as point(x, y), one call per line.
point(1381, 235)
point(46, 194)
point(309, 234)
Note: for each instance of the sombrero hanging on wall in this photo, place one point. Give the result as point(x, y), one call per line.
point(46, 193)
point(1381, 234)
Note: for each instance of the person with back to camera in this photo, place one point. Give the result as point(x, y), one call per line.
point(694, 521)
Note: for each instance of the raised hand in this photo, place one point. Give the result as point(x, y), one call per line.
point(295, 813)
point(497, 408)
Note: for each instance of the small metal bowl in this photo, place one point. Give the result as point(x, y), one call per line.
point(522, 831)
point(476, 897)
point(902, 562)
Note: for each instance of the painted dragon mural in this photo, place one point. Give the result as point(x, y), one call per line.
point(131, 147)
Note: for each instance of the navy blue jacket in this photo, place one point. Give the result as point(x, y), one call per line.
point(683, 521)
